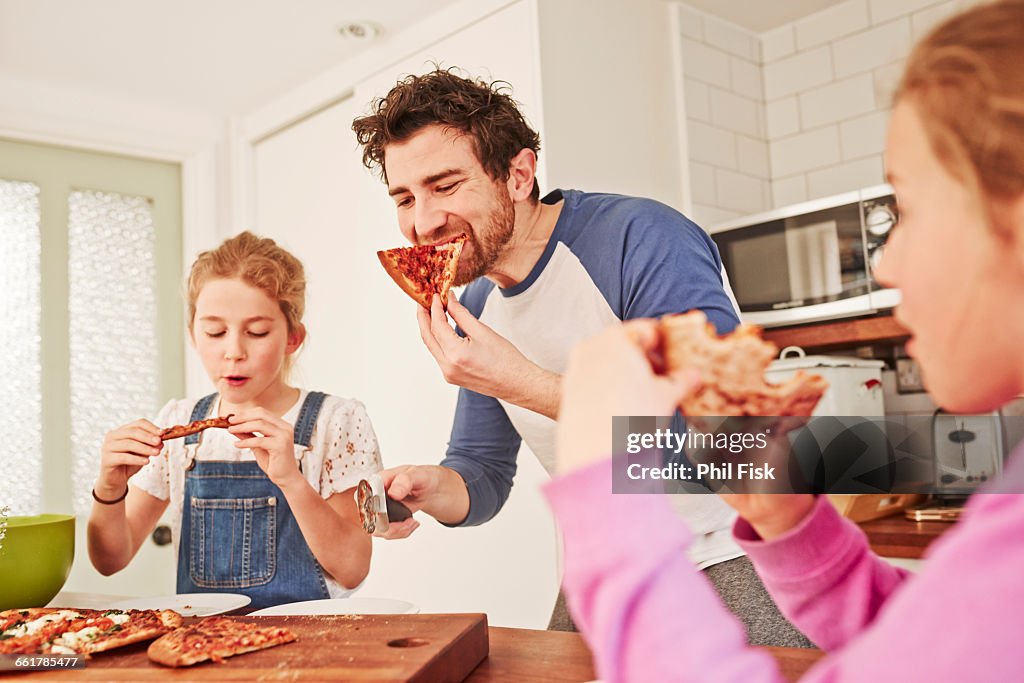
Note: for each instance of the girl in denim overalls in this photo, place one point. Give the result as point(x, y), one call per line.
point(264, 508)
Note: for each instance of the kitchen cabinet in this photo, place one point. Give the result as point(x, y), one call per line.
point(828, 336)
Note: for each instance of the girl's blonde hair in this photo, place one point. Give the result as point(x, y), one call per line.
point(259, 262)
point(966, 82)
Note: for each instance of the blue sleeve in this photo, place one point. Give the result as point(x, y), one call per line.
point(670, 265)
point(483, 450)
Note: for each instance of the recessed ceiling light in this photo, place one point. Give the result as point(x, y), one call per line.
point(359, 30)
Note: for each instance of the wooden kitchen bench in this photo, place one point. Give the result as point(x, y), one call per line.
point(897, 536)
point(516, 656)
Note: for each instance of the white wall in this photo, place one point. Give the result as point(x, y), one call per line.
point(610, 118)
point(826, 90)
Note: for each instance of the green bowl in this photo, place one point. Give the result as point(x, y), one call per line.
point(35, 559)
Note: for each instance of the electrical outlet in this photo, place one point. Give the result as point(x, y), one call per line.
point(908, 376)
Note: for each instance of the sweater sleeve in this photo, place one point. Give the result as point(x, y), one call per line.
point(823, 575)
point(646, 611)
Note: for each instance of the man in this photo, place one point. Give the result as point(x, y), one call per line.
point(543, 274)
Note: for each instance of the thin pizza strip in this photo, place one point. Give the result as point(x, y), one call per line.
point(423, 271)
point(178, 431)
point(215, 638)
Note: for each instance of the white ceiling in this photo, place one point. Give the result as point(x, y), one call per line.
point(761, 15)
point(226, 57)
point(215, 56)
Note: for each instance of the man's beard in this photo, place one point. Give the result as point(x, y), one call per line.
point(489, 244)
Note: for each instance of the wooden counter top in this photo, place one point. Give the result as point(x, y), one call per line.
point(897, 536)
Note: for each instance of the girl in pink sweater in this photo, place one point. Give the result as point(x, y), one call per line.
point(955, 156)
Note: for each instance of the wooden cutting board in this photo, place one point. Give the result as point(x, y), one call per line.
point(409, 647)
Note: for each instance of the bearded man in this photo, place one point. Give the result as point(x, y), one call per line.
point(541, 275)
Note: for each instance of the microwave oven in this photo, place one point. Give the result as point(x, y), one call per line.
point(811, 261)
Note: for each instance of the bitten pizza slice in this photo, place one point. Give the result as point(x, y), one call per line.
point(215, 638)
point(732, 368)
point(425, 270)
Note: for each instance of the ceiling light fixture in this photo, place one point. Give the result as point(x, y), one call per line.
point(359, 30)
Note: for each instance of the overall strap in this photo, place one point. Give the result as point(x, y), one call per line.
point(308, 415)
point(201, 410)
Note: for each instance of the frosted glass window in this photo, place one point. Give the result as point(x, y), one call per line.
point(115, 367)
point(21, 397)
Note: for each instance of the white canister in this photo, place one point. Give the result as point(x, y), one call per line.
point(854, 384)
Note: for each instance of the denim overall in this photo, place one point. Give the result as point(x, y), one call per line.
point(238, 534)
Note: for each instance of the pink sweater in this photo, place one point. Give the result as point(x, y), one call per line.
point(650, 616)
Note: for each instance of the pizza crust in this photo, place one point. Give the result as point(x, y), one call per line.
point(732, 368)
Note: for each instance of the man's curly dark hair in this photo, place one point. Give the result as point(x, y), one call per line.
point(482, 110)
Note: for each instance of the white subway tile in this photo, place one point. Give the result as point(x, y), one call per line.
point(924, 21)
point(705, 63)
point(828, 24)
point(708, 216)
point(766, 194)
point(884, 10)
point(791, 190)
point(886, 79)
point(805, 151)
point(711, 145)
point(746, 79)
point(698, 100)
point(837, 101)
point(782, 117)
point(702, 183)
point(851, 175)
point(735, 113)
point(691, 22)
point(738, 192)
point(799, 72)
point(777, 43)
point(864, 135)
point(872, 48)
point(788, 190)
point(731, 38)
point(752, 156)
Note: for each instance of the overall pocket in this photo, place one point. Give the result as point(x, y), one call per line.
point(233, 541)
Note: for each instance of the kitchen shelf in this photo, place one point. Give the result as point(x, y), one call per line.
point(843, 333)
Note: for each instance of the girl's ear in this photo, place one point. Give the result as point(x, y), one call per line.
point(295, 339)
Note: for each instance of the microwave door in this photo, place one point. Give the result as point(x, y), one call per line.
point(812, 252)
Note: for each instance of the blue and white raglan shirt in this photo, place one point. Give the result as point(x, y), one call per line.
point(610, 258)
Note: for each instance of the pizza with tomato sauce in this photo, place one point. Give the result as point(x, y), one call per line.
point(732, 369)
point(423, 271)
point(50, 630)
point(215, 638)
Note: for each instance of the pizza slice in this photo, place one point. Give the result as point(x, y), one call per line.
point(215, 638)
point(80, 631)
point(732, 368)
point(424, 270)
point(178, 431)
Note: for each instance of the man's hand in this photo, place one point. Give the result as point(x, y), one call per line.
point(484, 361)
point(438, 491)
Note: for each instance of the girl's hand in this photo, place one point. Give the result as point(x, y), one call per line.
point(272, 442)
point(124, 452)
point(771, 514)
point(608, 375)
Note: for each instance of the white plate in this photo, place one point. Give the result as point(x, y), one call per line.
point(340, 606)
point(188, 604)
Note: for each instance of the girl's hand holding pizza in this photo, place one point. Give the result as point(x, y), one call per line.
point(124, 452)
point(271, 440)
